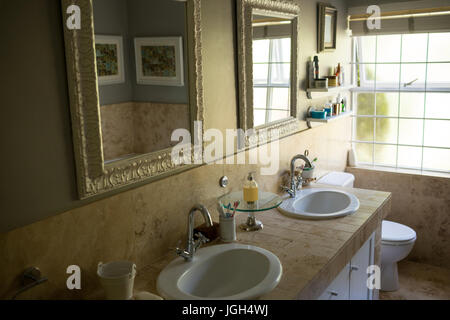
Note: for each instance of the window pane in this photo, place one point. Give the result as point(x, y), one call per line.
point(437, 133)
point(364, 152)
point(364, 129)
point(413, 72)
point(385, 155)
point(280, 98)
point(388, 75)
point(412, 104)
point(261, 51)
point(366, 75)
point(388, 48)
point(402, 115)
point(365, 104)
point(438, 75)
point(409, 157)
point(386, 130)
point(367, 49)
point(387, 104)
point(260, 73)
point(436, 159)
point(275, 115)
point(414, 47)
point(439, 49)
point(410, 131)
point(260, 98)
point(259, 117)
point(438, 105)
point(281, 50)
point(280, 73)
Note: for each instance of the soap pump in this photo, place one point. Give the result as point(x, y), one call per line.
point(250, 189)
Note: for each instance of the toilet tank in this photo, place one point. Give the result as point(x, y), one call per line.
point(342, 179)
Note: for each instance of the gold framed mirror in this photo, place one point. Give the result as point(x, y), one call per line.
point(97, 73)
point(268, 68)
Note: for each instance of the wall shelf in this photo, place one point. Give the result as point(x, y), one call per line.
point(313, 93)
point(328, 119)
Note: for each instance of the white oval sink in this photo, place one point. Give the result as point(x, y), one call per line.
point(320, 203)
point(221, 272)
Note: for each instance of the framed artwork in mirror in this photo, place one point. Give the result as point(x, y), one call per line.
point(326, 26)
point(159, 61)
point(109, 54)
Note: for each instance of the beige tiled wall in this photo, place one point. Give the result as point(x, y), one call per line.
point(140, 127)
point(420, 202)
point(144, 223)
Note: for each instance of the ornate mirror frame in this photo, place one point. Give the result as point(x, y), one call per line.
point(322, 10)
point(94, 176)
point(245, 9)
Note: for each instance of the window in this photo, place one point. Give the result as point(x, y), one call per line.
point(402, 101)
point(271, 80)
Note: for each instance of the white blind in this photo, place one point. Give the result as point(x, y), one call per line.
point(272, 32)
point(396, 23)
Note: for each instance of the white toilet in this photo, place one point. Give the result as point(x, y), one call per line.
point(397, 240)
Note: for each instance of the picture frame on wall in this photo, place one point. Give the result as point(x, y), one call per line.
point(159, 61)
point(109, 58)
point(326, 26)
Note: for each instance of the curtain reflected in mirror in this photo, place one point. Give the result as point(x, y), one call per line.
point(272, 39)
point(142, 72)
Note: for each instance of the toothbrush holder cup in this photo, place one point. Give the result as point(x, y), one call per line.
point(227, 229)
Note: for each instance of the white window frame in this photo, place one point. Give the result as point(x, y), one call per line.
point(270, 86)
point(373, 86)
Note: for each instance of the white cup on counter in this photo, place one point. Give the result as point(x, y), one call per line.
point(227, 228)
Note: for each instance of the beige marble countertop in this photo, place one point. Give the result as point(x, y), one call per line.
point(312, 252)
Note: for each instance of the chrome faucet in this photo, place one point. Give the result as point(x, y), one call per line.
point(193, 245)
point(296, 183)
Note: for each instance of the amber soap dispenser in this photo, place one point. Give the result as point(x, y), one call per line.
point(250, 189)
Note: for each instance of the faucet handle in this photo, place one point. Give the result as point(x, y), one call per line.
point(202, 238)
point(287, 189)
point(178, 248)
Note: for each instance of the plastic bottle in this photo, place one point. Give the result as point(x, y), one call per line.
point(250, 189)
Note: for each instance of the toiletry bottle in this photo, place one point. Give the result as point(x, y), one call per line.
point(311, 83)
point(250, 189)
point(316, 67)
point(338, 74)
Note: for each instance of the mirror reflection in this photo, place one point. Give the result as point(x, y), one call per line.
point(142, 74)
point(272, 37)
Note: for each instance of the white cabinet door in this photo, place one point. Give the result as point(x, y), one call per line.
point(358, 271)
point(339, 288)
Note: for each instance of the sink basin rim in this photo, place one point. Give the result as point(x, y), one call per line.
point(178, 268)
point(287, 207)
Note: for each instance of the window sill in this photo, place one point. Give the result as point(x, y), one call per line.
point(403, 171)
point(401, 89)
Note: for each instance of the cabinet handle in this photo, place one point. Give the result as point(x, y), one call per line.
point(354, 268)
point(334, 293)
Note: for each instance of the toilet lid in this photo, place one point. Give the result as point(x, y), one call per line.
point(392, 231)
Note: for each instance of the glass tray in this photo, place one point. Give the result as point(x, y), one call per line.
point(267, 201)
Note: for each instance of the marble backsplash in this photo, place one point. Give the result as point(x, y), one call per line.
point(419, 201)
point(144, 223)
point(140, 127)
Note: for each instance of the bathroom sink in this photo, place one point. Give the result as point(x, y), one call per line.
point(221, 272)
point(320, 203)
